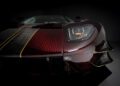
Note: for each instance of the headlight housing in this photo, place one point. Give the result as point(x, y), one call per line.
point(81, 32)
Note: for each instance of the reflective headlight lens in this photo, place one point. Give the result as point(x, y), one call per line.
point(81, 33)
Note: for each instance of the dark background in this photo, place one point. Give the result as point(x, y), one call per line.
point(106, 12)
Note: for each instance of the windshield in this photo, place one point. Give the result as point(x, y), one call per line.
point(45, 19)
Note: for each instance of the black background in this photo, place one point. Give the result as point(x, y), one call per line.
point(106, 12)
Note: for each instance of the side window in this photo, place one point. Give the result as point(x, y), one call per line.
point(30, 21)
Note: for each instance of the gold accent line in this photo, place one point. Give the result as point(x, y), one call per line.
point(9, 40)
point(10, 37)
point(27, 43)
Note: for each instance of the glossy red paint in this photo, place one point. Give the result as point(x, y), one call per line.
point(45, 41)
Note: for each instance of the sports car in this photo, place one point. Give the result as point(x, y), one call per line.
point(55, 43)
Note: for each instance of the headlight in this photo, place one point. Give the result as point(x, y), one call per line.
point(81, 33)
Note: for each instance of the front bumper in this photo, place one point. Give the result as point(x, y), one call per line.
point(102, 56)
point(101, 59)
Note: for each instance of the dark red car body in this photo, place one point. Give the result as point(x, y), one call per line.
point(49, 42)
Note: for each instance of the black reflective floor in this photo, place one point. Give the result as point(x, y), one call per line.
point(91, 78)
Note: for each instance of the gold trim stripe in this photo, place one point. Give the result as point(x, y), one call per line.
point(8, 41)
point(10, 37)
point(27, 42)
